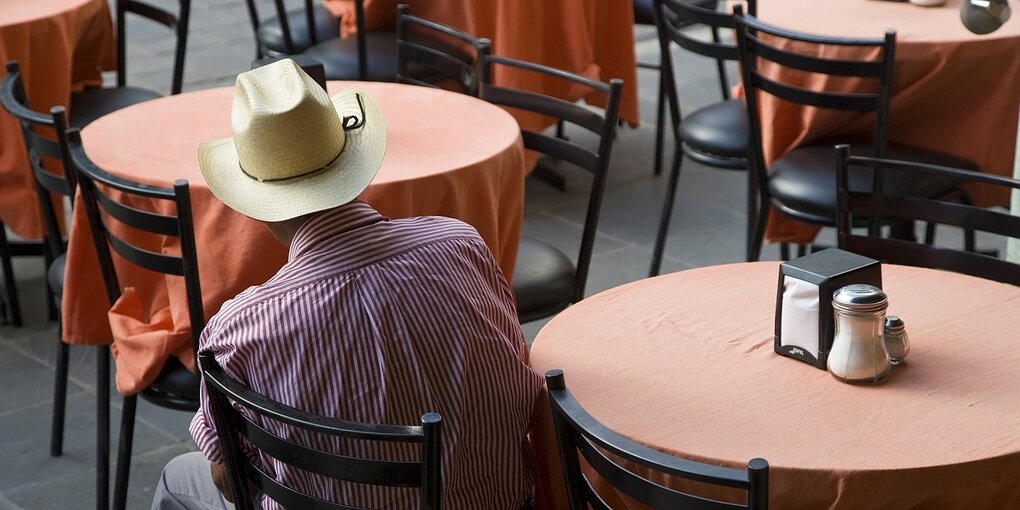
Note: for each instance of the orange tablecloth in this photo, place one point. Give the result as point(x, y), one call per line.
point(590, 37)
point(953, 91)
point(447, 154)
point(667, 361)
point(58, 44)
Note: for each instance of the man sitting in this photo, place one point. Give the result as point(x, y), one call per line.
point(370, 320)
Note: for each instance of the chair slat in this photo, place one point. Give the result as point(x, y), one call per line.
point(439, 52)
point(151, 12)
point(341, 467)
point(545, 105)
point(560, 149)
point(144, 258)
point(814, 64)
point(138, 218)
point(852, 102)
point(643, 490)
point(290, 498)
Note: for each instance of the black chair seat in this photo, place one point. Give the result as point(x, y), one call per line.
point(543, 280)
point(327, 27)
point(802, 183)
point(719, 130)
point(175, 387)
point(55, 276)
point(91, 104)
point(339, 57)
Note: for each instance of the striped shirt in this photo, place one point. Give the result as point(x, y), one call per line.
point(381, 321)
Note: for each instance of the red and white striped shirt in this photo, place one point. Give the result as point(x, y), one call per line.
point(381, 321)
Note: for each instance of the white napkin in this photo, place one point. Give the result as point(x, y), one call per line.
point(799, 326)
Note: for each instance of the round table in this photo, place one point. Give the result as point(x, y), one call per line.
point(594, 38)
point(447, 154)
point(952, 90)
point(684, 363)
point(59, 44)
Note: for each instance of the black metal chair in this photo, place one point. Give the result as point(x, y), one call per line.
point(368, 55)
point(644, 14)
point(879, 207)
point(131, 205)
point(546, 281)
point(248, 421)
point(579, 432)
point(436, 55)
point(802, 183)
point(715, 135)
point(49, 186)
point(274, 39)
point(91, 104)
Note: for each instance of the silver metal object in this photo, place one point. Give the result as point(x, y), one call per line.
point(897, 343)
point(858, 352)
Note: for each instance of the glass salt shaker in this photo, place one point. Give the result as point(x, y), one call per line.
point(897, 344)
point(858, 353)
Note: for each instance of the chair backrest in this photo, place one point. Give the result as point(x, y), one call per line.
point(579, 432)
point(241, 415)
point(443, 54)
point(879, 207)
point(178, 22)
point(675, 16)
point(765, 49)
point(601, 124)
point(135, 207)
point(313, 38)
point(37, 129)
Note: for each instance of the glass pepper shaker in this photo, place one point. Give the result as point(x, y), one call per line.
point(897, 344)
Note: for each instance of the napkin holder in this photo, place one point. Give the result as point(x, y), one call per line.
point(804, 316)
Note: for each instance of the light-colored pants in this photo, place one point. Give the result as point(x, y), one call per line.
point(186, 484)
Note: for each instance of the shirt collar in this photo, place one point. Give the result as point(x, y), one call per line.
point(331, 223)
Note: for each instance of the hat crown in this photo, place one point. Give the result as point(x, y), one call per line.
point(284, 125)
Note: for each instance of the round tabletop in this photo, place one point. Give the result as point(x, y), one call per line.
point(447, 154)
point(16, 13)
point(59, 45)
point(684, 363)
point(429, 132)
point(869, 18)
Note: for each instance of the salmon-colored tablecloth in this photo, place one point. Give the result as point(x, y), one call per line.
point(684, 364)
point(447, 154)
point(59, 44)
point(590, 37)
point(953, 91)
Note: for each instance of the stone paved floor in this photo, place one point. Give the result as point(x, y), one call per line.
point(708, 228)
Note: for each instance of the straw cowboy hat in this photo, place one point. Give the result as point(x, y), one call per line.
point(294, 150)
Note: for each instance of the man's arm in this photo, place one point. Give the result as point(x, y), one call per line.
point(221, 479)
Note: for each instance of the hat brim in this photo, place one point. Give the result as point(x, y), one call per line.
point(337, 184)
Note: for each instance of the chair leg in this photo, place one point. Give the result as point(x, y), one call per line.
point(59, 396)
point(127, 433)
point(13, 304)
point(660, 120)
point(103, 428)
point(758, 234)
point(784, 251)
point(667, 213)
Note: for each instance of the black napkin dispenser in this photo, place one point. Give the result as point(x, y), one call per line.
point(804, 318)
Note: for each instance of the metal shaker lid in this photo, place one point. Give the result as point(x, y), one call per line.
point(859, 298)
point(894, 324)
